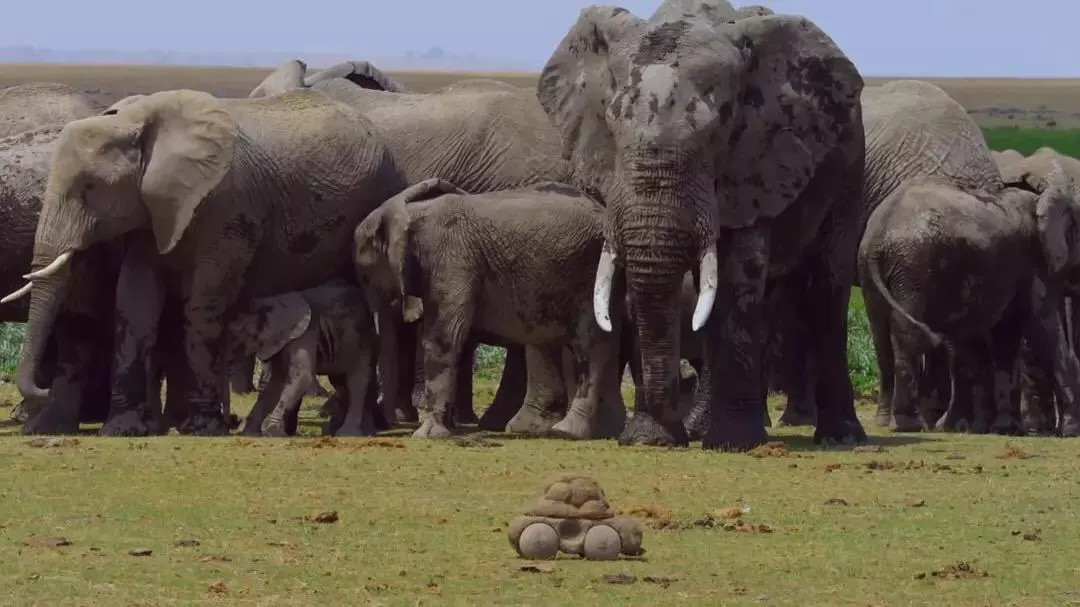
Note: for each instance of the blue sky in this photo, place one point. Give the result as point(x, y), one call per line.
point(912, 37)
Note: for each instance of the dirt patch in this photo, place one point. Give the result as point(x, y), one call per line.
point(962, 570)
point(333, 443)
point(47, 542)
point(218, 589)
point(1012, 451)
point(51, 442)
point(914, 503)
point(648, 512)
point(329, 516)
point(770, 449)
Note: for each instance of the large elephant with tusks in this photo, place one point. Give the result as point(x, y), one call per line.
point(729, 143)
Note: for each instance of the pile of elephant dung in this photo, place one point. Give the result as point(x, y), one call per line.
point(573, 516)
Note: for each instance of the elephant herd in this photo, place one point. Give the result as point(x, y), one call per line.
point(707, 184)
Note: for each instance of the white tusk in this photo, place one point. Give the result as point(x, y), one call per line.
point(707, 295)
point(376, 315)
point(22, 292)
point(602, 289)
point(50, 269)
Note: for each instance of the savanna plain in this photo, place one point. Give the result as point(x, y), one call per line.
point(908, 519)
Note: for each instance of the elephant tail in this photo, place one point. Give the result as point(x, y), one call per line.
point(875, 275)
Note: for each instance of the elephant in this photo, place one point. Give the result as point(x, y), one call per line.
point(224, 200)
point(327, 330)
point(730, 144)
point(242, 375)
point(1039, 411)
point(1008, 252)
point(76, 363)
point(506, 267)
point(482, 135)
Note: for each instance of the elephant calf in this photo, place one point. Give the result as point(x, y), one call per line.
point(512, 267)
point(326, 330)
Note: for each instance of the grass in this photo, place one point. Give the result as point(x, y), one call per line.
point(1027, 141)
point(423, 522)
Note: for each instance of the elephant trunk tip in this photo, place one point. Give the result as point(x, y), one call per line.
point(27, 386)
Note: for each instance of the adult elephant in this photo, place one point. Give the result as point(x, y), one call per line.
point(483, 135)
point(76, 361)
point(734, 147)
point(228, 198)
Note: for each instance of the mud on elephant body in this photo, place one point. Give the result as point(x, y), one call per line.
point(731, 145)
point(510, 267)
point(241, 198)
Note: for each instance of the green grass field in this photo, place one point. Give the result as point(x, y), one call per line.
point(912, 519)
point(1026, 141)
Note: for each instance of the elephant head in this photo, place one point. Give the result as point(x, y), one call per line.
point(266, 325)
point(700, 120)
point(293, 75)
point(381, 244)
point(144, 165)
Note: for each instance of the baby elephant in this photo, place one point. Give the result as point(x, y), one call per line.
point(512, 267)
point(325, 330)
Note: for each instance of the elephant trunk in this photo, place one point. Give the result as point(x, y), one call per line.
point(656, 260)
point(45, 301)
point(63, 228)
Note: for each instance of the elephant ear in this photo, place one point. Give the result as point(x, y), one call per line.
point(579, 81)
point(268, 324)
point(188, 141)
point(361, 73)
point(114, 108)
point(1056, 218)
point(796, 98)
point(288, 77)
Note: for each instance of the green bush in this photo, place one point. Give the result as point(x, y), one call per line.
point(11, 336)
point(1026, 141)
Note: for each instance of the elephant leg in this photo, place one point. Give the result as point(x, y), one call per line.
point(1037, 407)
point(735, 345)
point(73, 354)
point(545, 393)
point(878, 317)
point(793, 365)
point(594, 356)
point(242, 375)
point(264, 378)
point(611, 411)
point(1050, 348)
point(907, 367)
point(972, 388)
point(296, 366)
point(463, 398)
point(264, 423)
point(445, 335)
point(510, 394)
point(1005, 354)
point(139, 304)
point(359, 420)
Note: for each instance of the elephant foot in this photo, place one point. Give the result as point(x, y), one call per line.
point(839, 432)
point(736, 433)
point(407, 415)
point(204, 424)
point(330, 406)
point(903, 422)
point(360, 429)
point(271, 426)
point(466, 416)
point(644, 429)
point(696, 422)
point(1007, 425)
point(50, 421)
point(252, 429)
point(1070, 426)
point(793, 416)
point(495, 418)
point(125, 423)
point(610, 423)
point(952, 424)
point(572, 426)
point(883, 417)
point(432, 429)
point(24, 411)
point(532, 420)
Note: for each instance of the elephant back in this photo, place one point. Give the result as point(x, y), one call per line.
point(28, 106)
point(914, 129)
